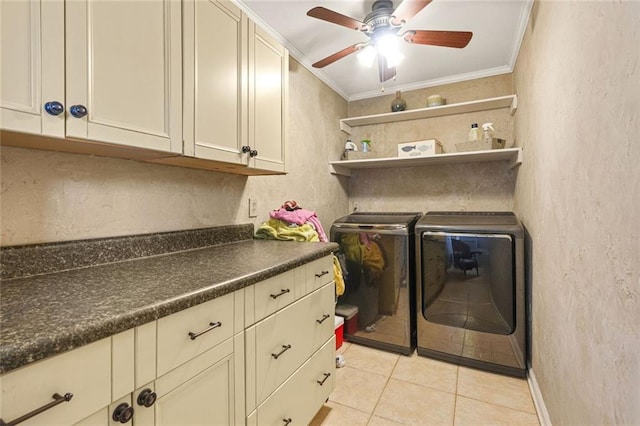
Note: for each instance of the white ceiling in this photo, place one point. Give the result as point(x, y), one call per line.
point(497, 26)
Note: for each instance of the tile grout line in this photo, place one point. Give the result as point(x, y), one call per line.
point(498, 405)
point(383, 389)
point(455, 400)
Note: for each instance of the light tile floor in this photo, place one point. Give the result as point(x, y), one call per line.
point(381, 388)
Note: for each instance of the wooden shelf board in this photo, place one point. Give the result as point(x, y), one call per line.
point(509, 154)
point(509, 101)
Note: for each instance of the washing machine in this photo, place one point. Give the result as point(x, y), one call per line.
point(377, 251)
point(470, 295)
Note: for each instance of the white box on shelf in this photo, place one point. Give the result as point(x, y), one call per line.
point(420, 148)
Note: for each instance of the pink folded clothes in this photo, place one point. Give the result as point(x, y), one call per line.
point(300, 217)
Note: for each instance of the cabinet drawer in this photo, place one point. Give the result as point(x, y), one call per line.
point(273, 294)
point(284, 341)
point(319, 272)
point(185, 334)
point(84, 372)
point(300, 397)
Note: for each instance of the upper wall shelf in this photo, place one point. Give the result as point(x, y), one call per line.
point(514, 155)
point(510, 102)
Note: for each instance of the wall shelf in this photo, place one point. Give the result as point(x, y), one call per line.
point(513, 155)
point(510, 101)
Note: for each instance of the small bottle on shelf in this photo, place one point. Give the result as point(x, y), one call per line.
point(474, 133)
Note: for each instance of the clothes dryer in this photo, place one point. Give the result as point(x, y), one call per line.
point(470, 299)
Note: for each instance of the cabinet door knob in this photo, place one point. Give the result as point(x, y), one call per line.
point(54, 108)
point(246, 148)
point(253, 153)
point(78, 111)
point(147, 398)
point(123, 413)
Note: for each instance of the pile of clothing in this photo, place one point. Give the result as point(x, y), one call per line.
point(292, 223)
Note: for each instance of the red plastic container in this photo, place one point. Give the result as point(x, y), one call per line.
point(339, 328)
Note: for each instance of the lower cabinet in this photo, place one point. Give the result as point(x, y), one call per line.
point(298, 400)
point(210, 364)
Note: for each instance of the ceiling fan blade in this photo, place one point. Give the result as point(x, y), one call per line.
point(338, 55)
point(385, 72)
point(407, 10)
point(337, 18)
point(457, 39)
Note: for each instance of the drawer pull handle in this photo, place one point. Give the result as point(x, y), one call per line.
point(283, 291)
point(58, 399)
point(324, 317)
point(287, 421)
point(326, 376)
point(284, 349)
point(213, 325)
point(321, 274)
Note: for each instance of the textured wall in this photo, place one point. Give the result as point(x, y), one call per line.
point(48, 196)
point(578, 192)
point(471, 186)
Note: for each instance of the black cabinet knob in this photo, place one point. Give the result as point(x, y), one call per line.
point(253, 153)
point(246, 148)
point(147, 398)
point(123, 413)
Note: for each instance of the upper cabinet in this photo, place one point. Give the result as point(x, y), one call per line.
point(235, 92)
point(107, 78)
point(32, 67)
point(123, 72)
point(215, 81)
point(93, 70)
point(268, 91)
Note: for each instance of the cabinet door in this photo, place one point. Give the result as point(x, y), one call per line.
point(31, 65)
point(215, 63)
point(268, 91)
point(206, 398)
point(123, 64)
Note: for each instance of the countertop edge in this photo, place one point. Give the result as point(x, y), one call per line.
point(15, 355)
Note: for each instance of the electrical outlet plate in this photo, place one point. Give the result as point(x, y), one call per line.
point(253, 207)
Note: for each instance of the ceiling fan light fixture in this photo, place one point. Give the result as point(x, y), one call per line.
point(394, 59)
point(367, 55)
point(387, 44)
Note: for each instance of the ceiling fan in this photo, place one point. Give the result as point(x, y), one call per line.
point(384, 28)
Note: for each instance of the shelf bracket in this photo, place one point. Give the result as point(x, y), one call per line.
point(514, 105)
point(339, 170)
point(517, 161)
point(345, 127)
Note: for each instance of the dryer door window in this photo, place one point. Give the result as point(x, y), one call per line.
point(468, 281)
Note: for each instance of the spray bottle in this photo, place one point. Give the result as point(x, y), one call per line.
point(487, 138)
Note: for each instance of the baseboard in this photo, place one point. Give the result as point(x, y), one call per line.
point(541, 408)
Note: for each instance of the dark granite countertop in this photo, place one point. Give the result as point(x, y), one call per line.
point(47, 314)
